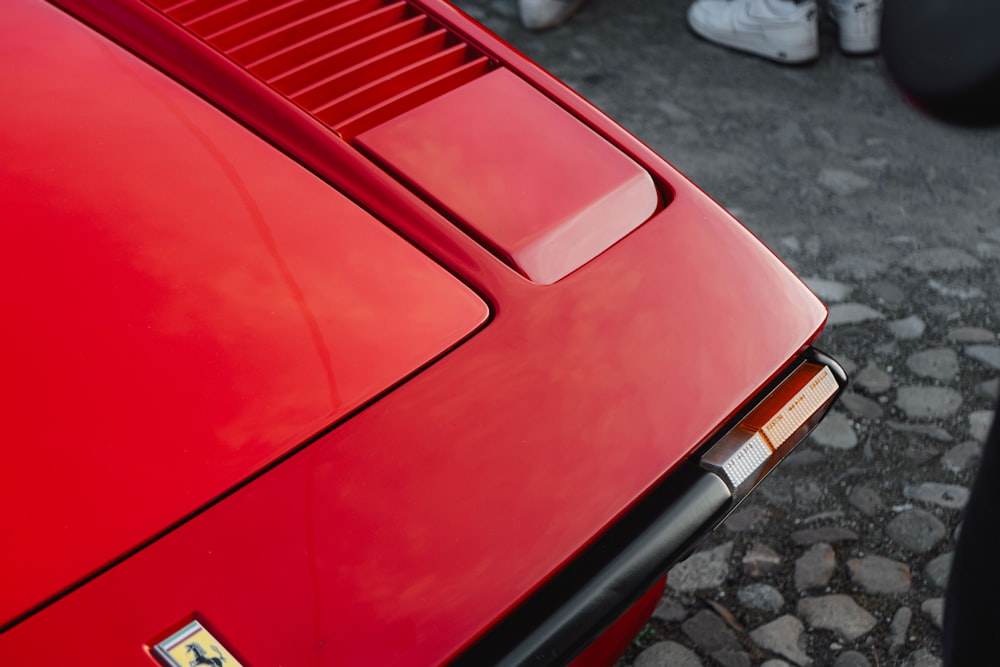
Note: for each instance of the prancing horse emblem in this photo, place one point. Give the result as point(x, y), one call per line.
point(186, 648)
point(201, 656)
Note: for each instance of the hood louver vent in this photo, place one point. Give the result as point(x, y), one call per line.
point(352, 64)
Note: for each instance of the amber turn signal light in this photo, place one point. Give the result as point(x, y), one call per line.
point(745, 454)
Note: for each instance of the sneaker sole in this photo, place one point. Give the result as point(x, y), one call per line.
point(857, 46)
point(854, 39)
point(546, 24)
point(796, 56)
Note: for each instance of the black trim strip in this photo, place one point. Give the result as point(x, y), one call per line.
point(589, 594)
point(818, 357)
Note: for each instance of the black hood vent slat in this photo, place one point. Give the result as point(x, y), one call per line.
point(352, 64)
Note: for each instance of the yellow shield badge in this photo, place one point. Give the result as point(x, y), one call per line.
point(193, 645)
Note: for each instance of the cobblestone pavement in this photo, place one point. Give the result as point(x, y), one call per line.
point(841, 556)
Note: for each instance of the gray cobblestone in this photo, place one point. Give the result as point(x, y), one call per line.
point(926, 402)
point(949, 496)
point(762, 597)
point(852, 313)
point(979, 424)
point(962, 457)
point(988, 355)
point(784, 637)
point(874, 380)
point(908, 328)
point(760, 560)
point(815, 567)
point(916, 530)
point(668, 654)
point(939, 364)
point(851, 659)
point(876, 574)
point(899, 627)
point(704, 570)
point(839, 613)
point(941, 259)
point(836, 432)
point(938, 569)
point(934, 608)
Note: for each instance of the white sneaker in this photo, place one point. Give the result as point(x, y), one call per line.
point(777, 29)
point(542, 14)
point(859, 22)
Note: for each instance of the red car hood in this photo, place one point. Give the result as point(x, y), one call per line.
point(216, 306)
point(184, 305)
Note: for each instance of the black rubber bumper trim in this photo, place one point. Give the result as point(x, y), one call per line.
point(556, 623)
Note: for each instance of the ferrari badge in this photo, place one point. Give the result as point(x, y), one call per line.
point(193, 645)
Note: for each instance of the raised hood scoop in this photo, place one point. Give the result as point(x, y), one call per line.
point(546, 194)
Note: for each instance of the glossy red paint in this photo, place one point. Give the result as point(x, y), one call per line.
point(189, 304)
point(405, 532)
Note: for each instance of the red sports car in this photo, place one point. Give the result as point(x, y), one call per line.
point(340, 333)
